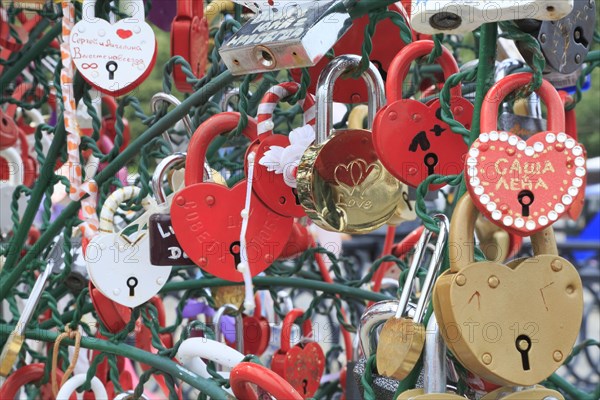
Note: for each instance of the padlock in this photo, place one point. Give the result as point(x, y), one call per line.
point(29, 374)
point(342, 185)
point(222, 320)
point(77, 279)
point(429, 146)
point(176, 145)
point(119, 265)
point(164, 246)
point(143, 338)
point(299, 241)
point(537, 392)
point(191, 352)
point(464, 16)
point(386, 43)
point(113, 315)
point(109, 123)
point(68, 388)
point(524, 186)
point(292, 35)
point(257, 331)
point(278, 155)
point(7, 189)
point(402, 339)
point(268, 384)
point(113, 58)
point(189, 39)
point(511, 325)
point(303, 364)
point(206, 216)
point(229, 295)
point(497, 244)
point(8, 131)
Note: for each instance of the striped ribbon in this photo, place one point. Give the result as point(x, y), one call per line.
point(275, 95)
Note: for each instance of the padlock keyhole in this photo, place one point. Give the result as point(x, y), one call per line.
point(234, 249)
point(431, 160)
point(111, 67)
point(523, 344)
point(407, 200)
point(578, 37)
point(526, 198)
point(132, 282)
point(304, 385)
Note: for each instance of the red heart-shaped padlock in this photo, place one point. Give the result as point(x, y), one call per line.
point(257, 331)
point(8, 131)
point(524, 186)
point(113, 315)
point(302, 365)
point(410, 137)
point(206, 216)
point(300, 240)
point(270, 186)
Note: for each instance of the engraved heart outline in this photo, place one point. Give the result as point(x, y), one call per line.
point(542, 143)
point(357, 170)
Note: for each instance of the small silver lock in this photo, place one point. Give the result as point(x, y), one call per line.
point(286, 35)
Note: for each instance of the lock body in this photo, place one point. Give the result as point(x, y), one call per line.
point(164, 246)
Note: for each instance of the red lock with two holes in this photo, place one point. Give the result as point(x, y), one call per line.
point(303, 364)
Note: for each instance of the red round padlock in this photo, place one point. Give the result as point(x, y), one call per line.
point(302, 365)
point(207, 217)
point(257, 331)
point(29, 374)
point(270, 186)
point(189, 39)
point(244, 375)
point(524, 186)
point(114, 316)
point(386, 43)
point(410, 137)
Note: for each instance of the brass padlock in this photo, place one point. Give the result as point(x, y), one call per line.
point(342, 185)
point(290, 35)
point(402, 339)
point(537, 392)
point(229, 295)
point(509, 324)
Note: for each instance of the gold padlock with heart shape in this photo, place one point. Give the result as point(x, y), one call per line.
point(536, 392)
point(514, 324)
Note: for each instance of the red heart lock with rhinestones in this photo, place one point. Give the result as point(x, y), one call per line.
point(303, 364)
point(207, 217)
point(524, 186)
point(275, 152)
point(410, 137)
point(257, 331)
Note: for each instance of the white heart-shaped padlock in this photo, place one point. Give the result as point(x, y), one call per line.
point(113, 58)
point(118, 265)
point(7, 188)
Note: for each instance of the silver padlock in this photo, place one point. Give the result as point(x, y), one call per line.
point(464, 16)
point(286, 35)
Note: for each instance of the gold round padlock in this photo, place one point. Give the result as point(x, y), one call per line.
point(229, 295)
point(342, 185)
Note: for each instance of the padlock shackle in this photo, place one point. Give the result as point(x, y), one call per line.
point(161, 97)
point(231, 310)
point(192, 350)
point(570, 115)
point(400, 67)
point(204, 135)
point(112, 203)
point(496, 95)
point(277, 94)
point(68, 388)
point(159, 173)
point(190, 9)
point(462, 236)
point(12, 156)
point(434, 359)
point(244, 374)
point(324, 92)
point(286, 328)
point(27, 374)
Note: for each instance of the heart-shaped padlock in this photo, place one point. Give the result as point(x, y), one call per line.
point(342, 185)
point(279, 155)
point(300, 240)
point(257, 331)
point(206, 216)
point(113, 315)
point(113, 58)
point(524, 186)
point(143, 338)
point(423, 144)
point(303, 364)
point(510, 324)
point(8, 131)
point(7, 189)
point(269, 385)
point(119, 266)
point(189, 39)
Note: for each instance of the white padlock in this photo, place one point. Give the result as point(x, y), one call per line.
point(118, 265)
point(69, 387)
point(7, 188)
point(193, 350)
point(463, 16)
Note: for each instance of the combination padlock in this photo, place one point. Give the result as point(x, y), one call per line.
point(292, 35)
point(117, 68)
point(279, 155)
point(510, 324)
point(524, 186)
point(257, 331)
point(464, 16)
point(189, 39)
point(402, 339)
point(342, 185)
point(119, 265)
point(207, 217)
point(8, 187)
point(423, 144)
point(303, 364)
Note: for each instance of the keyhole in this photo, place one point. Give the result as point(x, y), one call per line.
point(407, 200)
point(111, 67)
point(304, 385)
point(132, 282)
point(525, 199)
point(523, 344)
point(295, 191)
point(430, 160)
point(234, 249)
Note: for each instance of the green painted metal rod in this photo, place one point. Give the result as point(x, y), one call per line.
point(206, 386)
point(11, 275)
